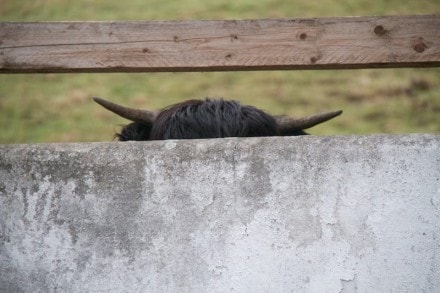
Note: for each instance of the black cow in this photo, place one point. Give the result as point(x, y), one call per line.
point(209, 118)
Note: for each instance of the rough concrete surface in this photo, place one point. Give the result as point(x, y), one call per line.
point(288, 214)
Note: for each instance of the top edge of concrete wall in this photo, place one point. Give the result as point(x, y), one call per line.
point(388, 138)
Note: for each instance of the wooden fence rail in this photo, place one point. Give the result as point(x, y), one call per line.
point(220, 45)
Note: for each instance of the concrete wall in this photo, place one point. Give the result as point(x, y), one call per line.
point(308, 214)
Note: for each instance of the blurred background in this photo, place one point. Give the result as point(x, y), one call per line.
point(58, 107)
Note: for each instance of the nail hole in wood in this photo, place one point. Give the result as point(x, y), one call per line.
point(379, 30)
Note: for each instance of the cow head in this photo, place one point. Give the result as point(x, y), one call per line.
point(209, 118)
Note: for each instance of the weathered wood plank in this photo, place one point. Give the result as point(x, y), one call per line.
point(348, 42)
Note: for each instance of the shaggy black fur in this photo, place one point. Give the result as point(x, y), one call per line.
point(135, 131)
point(205, 119)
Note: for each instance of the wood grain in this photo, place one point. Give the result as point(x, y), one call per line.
point(149, 46)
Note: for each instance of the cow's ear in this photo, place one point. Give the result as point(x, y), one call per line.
point(135, 131)
point(295, 126)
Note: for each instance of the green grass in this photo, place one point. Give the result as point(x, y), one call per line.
point(58, 107)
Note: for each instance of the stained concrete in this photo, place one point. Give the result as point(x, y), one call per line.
point(292, 214)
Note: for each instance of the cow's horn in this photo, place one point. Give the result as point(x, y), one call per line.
point(135, 115)
point(288, 124)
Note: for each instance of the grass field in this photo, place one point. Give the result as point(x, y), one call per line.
point(58, 107)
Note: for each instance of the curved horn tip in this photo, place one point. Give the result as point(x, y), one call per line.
point(107, 104)
point(98, 100)
point(336, 113)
